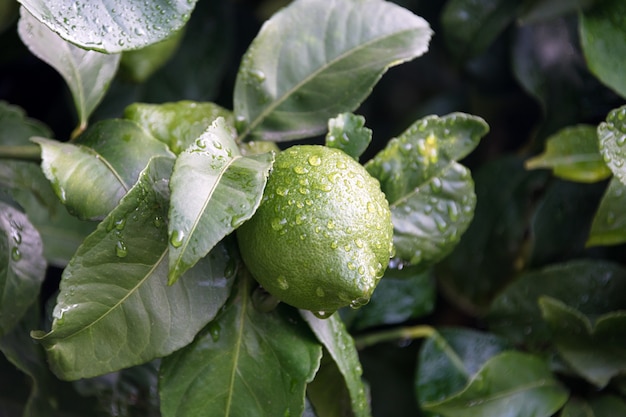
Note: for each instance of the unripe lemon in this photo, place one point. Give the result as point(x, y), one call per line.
point(322, 235)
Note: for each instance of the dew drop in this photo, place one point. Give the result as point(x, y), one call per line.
point(314, 160)
point(120, 223)
point(334, 244)
point(323, 314)
point(158, 221)
point(303, 190)
point(341, 165)
point(282, 191)
point(621, 140)
point(436, 185)
point(330, 225)
point(441, 224)
point(17, 238)
point(16, 255)
point(278, 223)
point(201, 143)
point(217, 145)
point(359, 243)
point(258, 75)
point(361, 270)
point(351, 266)
point(120, 249)
point(300, 170)
point(282, 283)
point(319, 291)
point(176, 238)
point(359, 302)
point(214, 330)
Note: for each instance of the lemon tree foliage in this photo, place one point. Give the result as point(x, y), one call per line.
point(190, 227)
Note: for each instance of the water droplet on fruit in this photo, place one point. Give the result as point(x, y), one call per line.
point(436, 185)
point(300, 170)
point(278, 223)
point(359, 302)
point(314, 160)
point(176, 238)
point(334, 244)
point(323, 314)
point(282, 191)
point(319, 291)
point(282, 283)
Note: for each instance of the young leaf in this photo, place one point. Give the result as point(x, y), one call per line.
point(332, 333)
point(341, 47)
point(348, 133)
point(92, 174)
point(244, 363)
point(573, 154)
point(23, 267)
point(595, 350)
point(115, 309)
point(112, 25)
point(430, 195)
point(87, 73)
point(612, 137)
point(214, 190)
point(603, 40)
point(510, 384)
point(609, 223)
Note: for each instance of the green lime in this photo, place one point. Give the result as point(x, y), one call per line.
point(322, 236)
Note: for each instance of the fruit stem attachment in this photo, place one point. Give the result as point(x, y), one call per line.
point(402, 333)
point(23, 152)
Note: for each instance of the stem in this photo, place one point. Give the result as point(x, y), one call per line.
point(25, 152)
point(414, 332)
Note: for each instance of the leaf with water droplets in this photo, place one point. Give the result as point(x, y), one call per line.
point(23, 267)
point(246, 362)
point(341, 48)
point(87, 73)
point(431, 196)
point(612, 137)
point(595, 347)
point(214, 190)
point(347, 132)
point(112, 25)
point(609, 223)
point(116, 311)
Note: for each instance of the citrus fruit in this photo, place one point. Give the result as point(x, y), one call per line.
point(322, 236)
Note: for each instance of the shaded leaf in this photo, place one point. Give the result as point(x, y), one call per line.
point(332, 333)
point(214, 190)
point(612, 137)
point(347, 132)
point(573, 154)
point(244, 363)
point(115, 308)
point(609, 224)
point(540, 10)
point(16, 128)
point(603, 41)
point(327, 393)
point(112, 25)
point(87, 73)
point(22, 266)
point(602, 406)
point(341, 47)
point(510, 384)
point(593, 346)
point(430, 195)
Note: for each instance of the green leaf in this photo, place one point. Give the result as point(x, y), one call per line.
point(177, 124)
point(594, 347)
point(244, 363)
point(603, 40)
point(469, 26)
point(612, 137)
point(593, 287)
point(511, 384)
point(609, 224)
point(602, 406)
point(87, 73)
point(115, 308)
point(341, 47)
point(112, 25)
point(22, 266)
point(573, 154)
point(214, 190)
point(328, 393)
point(16, 128)
point(348, 133)
point(332, 333)
point(450, 358)
point(430, 195)
point(92, 174)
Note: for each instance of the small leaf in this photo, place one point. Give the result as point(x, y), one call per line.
point(115, 309)
point(573, 154)
point(609, 223)
point(214, 190)
point(93, 173)
point(603, 40)
point(348, 133)
point(332, 333)
point(341, 48)
point(87, 73)
point(510, 384)
point(244, 363)
point(612, 137)
point(22, 269)
point(595, 350)
point(177, 124)
point(112, 25)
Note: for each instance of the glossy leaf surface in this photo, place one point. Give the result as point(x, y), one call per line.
point(612, 137)
point(244, 363)
point(115, 309)
point(609, 223)
point(112, 25)
point(340, 47)
point(214, 190)
point(347, 132)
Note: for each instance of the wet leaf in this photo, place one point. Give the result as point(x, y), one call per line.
point(347, 132)
point(341, 48)
point(612, 137)
point(609, 223)
point(244, 363)
point(214, 190)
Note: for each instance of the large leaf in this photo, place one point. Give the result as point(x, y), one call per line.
point(214, 190)
point(609, 223)
point(340, 47)
point(115, 308)
point(112, 25)
point(22, 266)
point(511, 384)
point(601, 406)
point(332, 333)
point(612, 137)
point(245, 363)
point(92, 174)
point(87, 73)
point(430, 195)
point(603, 40)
